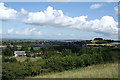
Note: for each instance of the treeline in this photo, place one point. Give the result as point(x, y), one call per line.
point(57, 62)
point(9, 51)
point(38, 43)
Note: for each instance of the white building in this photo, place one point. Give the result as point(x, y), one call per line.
point(19, 53)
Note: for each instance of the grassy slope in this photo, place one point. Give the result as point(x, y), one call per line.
point(95, 71)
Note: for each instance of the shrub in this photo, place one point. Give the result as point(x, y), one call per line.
point(55, 63)
point(96, 58)
point(79, 61)
point(106, 54)
point(68, 62)
point(9, 60)
point(86, 59)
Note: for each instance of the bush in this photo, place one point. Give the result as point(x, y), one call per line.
point(28, 55)
point(86, 59)
point(9, 60)
point(106, 54)
point(96, 58)
point(14, 70)
point(48, 54)
point(68, 62)
point(79, 61)
point(55, 63)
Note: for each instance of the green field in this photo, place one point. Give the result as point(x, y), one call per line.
point(109, 70)
point(37, 58)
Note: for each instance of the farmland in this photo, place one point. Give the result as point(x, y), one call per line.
point(60, 59)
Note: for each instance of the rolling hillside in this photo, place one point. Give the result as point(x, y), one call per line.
point(95, 71)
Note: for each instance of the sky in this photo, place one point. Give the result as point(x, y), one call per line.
point(51, 20)
point(60, 0)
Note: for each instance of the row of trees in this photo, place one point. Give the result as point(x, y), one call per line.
point(39, 43)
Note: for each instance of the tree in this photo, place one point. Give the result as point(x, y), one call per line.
point(8, 46)
point(7, 52)
point(31, 49)
point(14, 48)
point(106, 53)
point(98, 38)
point(24, 49)
point(49, 53)
point(28, 55)
point(66, 52)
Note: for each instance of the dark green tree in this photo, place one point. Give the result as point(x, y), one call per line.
point(23, 48)
point(31, 49)
point(7, 52)
point(14, 48)
point(66, 52)
point(28, 55)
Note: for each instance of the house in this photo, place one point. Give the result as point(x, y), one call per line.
point(19, 53)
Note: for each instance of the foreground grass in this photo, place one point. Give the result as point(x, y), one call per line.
point(109, 70)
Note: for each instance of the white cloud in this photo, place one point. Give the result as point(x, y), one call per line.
point(109, 0)
point(10, 31)
point(7, 13)
point(51, 17)
point(23, 11)
point(106, 25)
point(94, 6)
point(29, 31)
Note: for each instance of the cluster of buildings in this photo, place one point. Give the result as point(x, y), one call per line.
point(22, 53)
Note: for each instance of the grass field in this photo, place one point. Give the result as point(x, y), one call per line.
point(27, 57)
point(22, 59)
point(109, 70)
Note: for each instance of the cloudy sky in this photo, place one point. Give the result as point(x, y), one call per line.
point(46, 20)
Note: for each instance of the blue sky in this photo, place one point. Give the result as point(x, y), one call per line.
point(60, 0)
point(47, 27)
